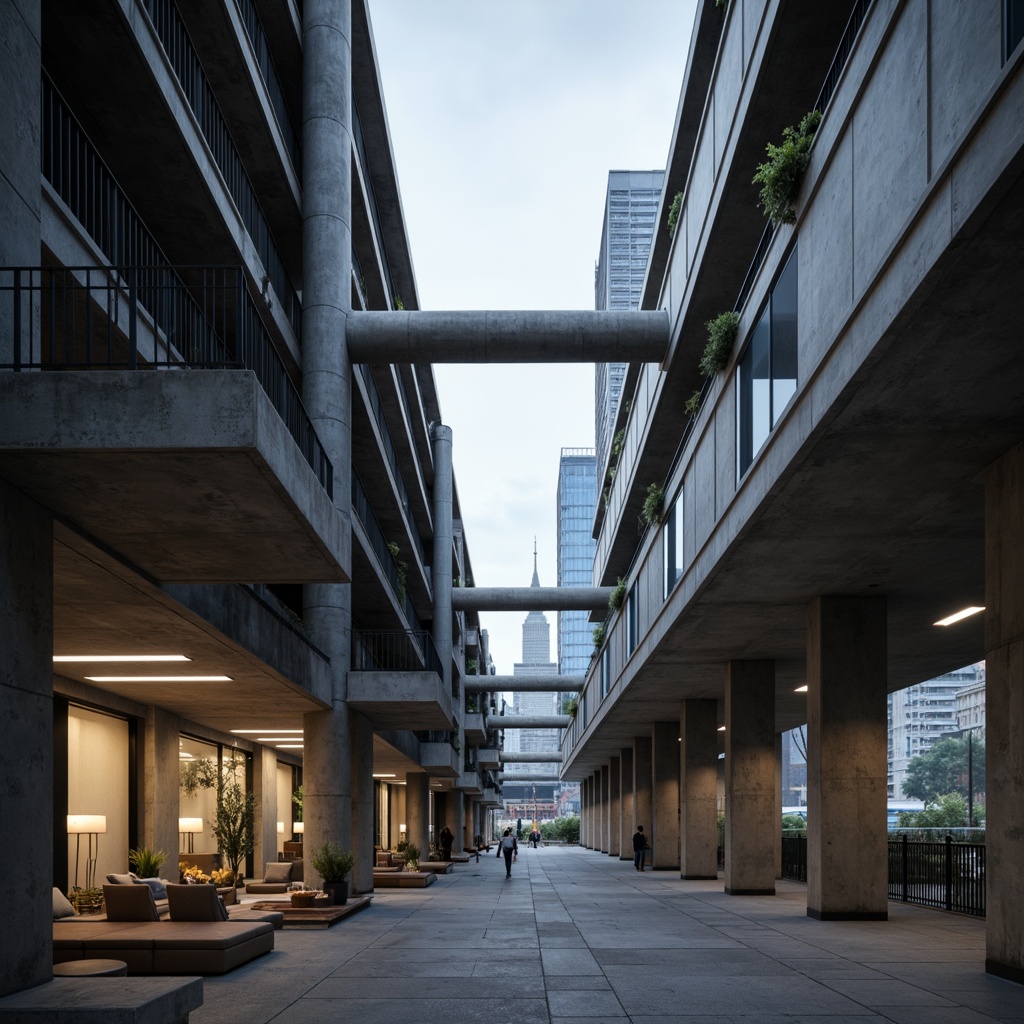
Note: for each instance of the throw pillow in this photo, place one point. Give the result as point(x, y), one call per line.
point(121, 879)
point(158, 885)
point(278, 871)
point(61, 905)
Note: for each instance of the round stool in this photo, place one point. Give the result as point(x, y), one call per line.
point(90, 969)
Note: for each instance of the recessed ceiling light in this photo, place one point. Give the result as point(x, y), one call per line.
point(721, 728)
point(289, 746)
point(111, 658)
point(957, 616)
point(276, 732)
point(801, 689)
point(277, 739)
point(159, 679)
point(384, 775)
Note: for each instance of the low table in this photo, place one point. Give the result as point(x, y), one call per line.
point(91, 969)
point(313, 917)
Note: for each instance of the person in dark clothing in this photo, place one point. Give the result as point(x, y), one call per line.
point(447, 838)
point(508, 847)
point(535, 839)
point(639, 848)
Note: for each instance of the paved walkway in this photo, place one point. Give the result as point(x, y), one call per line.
point(576, 934)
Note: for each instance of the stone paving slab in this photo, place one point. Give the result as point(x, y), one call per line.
point(575, 936)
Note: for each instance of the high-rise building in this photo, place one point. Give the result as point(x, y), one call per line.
point(630, 210)
point(576, 471)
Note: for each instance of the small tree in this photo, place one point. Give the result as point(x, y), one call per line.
point(943, 769)
point(947, 811)
point(234, 827)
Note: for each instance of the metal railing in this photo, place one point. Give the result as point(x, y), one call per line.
point(946, 875)
point(380, 650)
point(150, 317)
point(188, 70)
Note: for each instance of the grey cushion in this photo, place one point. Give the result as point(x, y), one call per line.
point(158, 885)
point(61, 905)
point(130, 903)
point(278, 871)
point(121, 879)
point(195, 903)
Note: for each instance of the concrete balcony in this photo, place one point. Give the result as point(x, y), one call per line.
point(470, 784)
point(491, 797)
point(441, 759)
point(401, 700)
point(473, 726)
point(488, 757)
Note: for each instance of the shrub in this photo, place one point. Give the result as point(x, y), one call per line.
point(654, 504)
point(599, 635)
point(781, 174)
point(146, 862)
point(673, 213)
point(617, 596)
point(332, 863)
point(721, 335)
point(692, 405)
point(617, 441)
point(570, 705)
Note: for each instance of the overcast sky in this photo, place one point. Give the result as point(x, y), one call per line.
point(506, 116)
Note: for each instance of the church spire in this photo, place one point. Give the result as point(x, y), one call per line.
point(536, 579)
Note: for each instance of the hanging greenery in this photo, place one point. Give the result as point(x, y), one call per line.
point(654, 504)
point(673, 213)
point(599, 635)
point(692, 405)
point(721, 335)
point(618, 595)
point(781, 174)
point(401, 569)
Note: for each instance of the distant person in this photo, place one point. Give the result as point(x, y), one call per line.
point(447, 838)
point(508, 847)
point(535, 839)
point(639, 848)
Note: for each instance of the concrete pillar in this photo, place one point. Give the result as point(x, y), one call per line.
point(614, 807)
point(327, 390)
point(26, 736)
point(751, 811)
point(417, 811)
point(780, 798)
point(441, 569)
point(665, 796)
point(361, 732)
point(847, 855)
point(1004, 715)
point(600, 790)
point(264, 791)
point(456, 820)
point(161, 785)
point(627, 826)
point(20, 29)
point(587, 813)
point(642, 785)
point(698, 788)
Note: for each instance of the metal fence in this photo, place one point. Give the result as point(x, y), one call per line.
point(397, 650)
point(943, 874)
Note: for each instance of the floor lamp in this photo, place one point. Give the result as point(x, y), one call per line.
point(87, 825)
point(189, 827)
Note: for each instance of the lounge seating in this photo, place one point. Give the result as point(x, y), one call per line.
point(130, 903)
point(394, 879)
point(277, 877)
point(195, 903)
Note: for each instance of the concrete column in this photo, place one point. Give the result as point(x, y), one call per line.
point(441, 569)
point(665, 796)
point(456, 819)
point(698, 788)
point(750, 802)
point(643, 813)
point(417, 811)
point(361, 732)
point(627, 826)
point(26, 736)
point(20, 29)
point(327, 390)
point(614, 807)
point(1004, 715)
point(469, 829)
point(600, 789)
point(264, 790)
point(780, 798)
point(161, 785)
point(847, 855)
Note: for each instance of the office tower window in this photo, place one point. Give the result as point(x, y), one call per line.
point(632, 623)
point(606, 671)
point(673, 546)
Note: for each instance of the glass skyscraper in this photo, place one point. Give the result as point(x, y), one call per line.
point(576, 545)
point(630, 209)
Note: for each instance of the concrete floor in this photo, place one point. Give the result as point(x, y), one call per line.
point(576, 934)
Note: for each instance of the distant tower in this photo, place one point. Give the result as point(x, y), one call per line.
point(630, 209)
point(576, 547)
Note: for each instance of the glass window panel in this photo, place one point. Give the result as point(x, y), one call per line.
point(753, 406)
point(784, 338)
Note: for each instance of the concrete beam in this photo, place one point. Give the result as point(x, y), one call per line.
point(527, 722)
point(508, 336)
point(530, 599)
point(524, 684)
point(505, 777)
point(533, 757)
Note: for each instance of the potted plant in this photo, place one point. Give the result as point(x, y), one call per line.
point(412, 857)
point(146, 862)
point(333, 864)
point(234, 826)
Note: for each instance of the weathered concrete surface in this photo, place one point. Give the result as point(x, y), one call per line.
point(626, 803)
point(664, 831)
point(401, 700)
point(527, 599)
point(643, 783)
point(527, 722)
point(614, 806)
point(508, 336)
point(192, 477)
point(538, 757)
point(523, 684)
point(698, 788)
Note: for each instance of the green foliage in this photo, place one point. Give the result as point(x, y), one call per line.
point(673, 213)
point(565, 829)
point(397, 302)
point(146, 862)
point(692, 405)
point(793, 823)
point(199, 773)
point(297, 801)
point(599, 636)
point(721, 335)
point(618, 595)
point(332, 863)
point(234, 826)
point(944, 770)
point(617, 441)
point(412, 857)
point(654, 504)
point(471, 666)
point(401, 569)
point(570, 705)
point(946, 811)
point(781, 174)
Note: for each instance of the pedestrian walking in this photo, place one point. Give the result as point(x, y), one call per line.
point(535, 839)
point(639, 848)
point(509, 848)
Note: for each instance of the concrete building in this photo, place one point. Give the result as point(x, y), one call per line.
point(246, 567)
point(630, 213)
point(851, 477)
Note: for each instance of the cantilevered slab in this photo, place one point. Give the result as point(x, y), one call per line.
point(508, 336)
point(401, 700)
point(192, 476)
point(440, 759)
point(473, 728)
point(528, 599)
